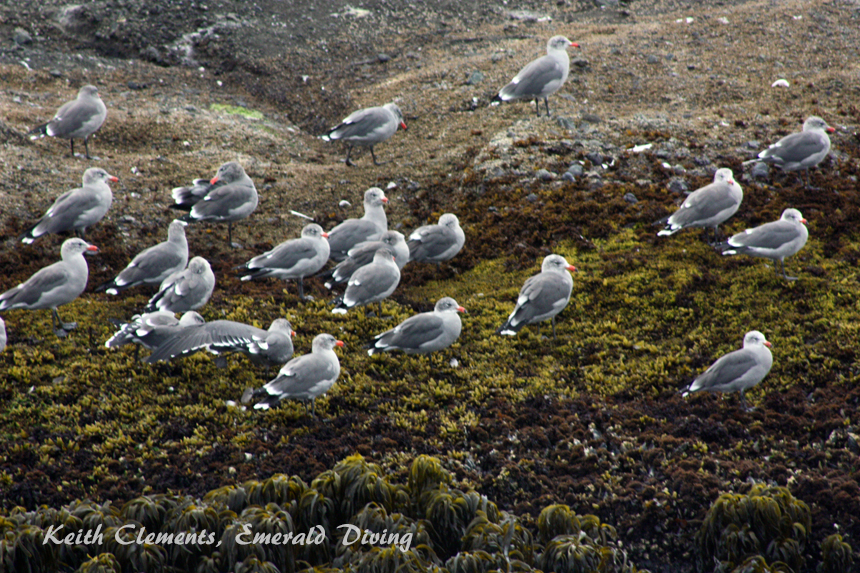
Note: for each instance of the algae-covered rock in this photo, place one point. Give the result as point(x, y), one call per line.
point(757, 564)
point(836, 555)
point(103, 563)
point(431, 528)
point(767, 521)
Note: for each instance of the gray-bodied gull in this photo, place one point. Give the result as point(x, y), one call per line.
point(77, 119)
point(776, 240)
point(77, 209)
point(302, 378)
point(542, 297)
point(54, 285)
point(152, 329)
point(367, 127)
point(737, 371)
point(362, 254)
point(800, 150)
point(708, 206)
point(423, 333)
point(231, 196)
point(294, 259)
point(371, 283)
point(186, 290)
point(541, 77)
point(266, 347)
point(437, 243)
point(349, 233)
point(154, 264)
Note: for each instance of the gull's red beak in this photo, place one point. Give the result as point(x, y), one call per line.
point(214, 180)
point(402, 125)
point(830, 129)
point(571, 268)
point(113, 178)
point(338, 343)
point(461, 309)
point(324, 235)
point(93, 248)
point(574, 44)
point(385, 199)
point(768, 344)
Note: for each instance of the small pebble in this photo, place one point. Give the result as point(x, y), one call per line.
point(475, 78)
point(678, 186)
point(495, 173)
point(545, 175)
point(630, 198)
point(22, 37)
point(594, 157)
point(565, 123)
point(575, 169)
point(760, 171)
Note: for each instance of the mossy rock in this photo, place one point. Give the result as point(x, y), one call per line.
point(353, 483)
point(767, 521)
point(437, 522)
point(579, 553)
point(25, 548)
point(382, 529)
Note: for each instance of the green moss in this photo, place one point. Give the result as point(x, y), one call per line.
point(645, 317)
point(237, 110)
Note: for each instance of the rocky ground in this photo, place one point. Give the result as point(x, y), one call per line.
point(592, 420)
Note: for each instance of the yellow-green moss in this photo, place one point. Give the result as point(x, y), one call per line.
point(237, 110)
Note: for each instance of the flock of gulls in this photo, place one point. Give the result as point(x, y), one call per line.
point(368, 257)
